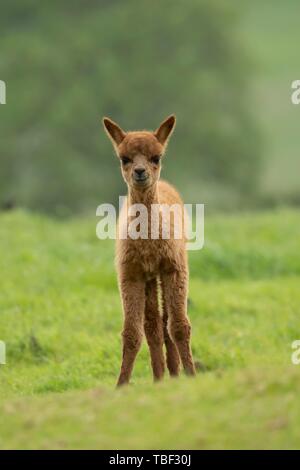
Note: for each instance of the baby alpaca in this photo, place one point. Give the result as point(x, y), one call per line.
point(151, 265)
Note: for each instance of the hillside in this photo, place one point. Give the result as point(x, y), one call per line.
point(60, 318)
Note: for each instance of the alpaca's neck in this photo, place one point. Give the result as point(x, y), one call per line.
point(147, 196)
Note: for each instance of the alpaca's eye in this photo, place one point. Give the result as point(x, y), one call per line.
point(125, 160)
point(155, 159)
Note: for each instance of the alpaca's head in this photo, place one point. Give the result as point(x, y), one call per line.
point(140, 152)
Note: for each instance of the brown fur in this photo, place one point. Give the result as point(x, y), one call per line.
point(147, 266)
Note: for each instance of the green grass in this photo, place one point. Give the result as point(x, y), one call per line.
point(60, 318)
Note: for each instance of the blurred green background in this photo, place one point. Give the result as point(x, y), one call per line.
point(224, 68)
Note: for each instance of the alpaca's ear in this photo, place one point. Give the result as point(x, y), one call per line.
point(165, 130)
point(114, 132)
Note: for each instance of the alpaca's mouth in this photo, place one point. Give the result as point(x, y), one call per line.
point(141, 180)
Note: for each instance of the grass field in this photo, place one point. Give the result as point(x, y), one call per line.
point(61, 319)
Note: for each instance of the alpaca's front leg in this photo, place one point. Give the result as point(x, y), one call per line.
point(175, 288)
point(133, 299)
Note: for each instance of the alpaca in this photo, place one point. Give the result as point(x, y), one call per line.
point(151, 268)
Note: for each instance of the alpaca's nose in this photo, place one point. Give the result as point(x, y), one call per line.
point(139, 171)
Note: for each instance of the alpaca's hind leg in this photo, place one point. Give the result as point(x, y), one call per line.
point(173, 359)
point(174, 287)
point(154, 330)
point(133, 299)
